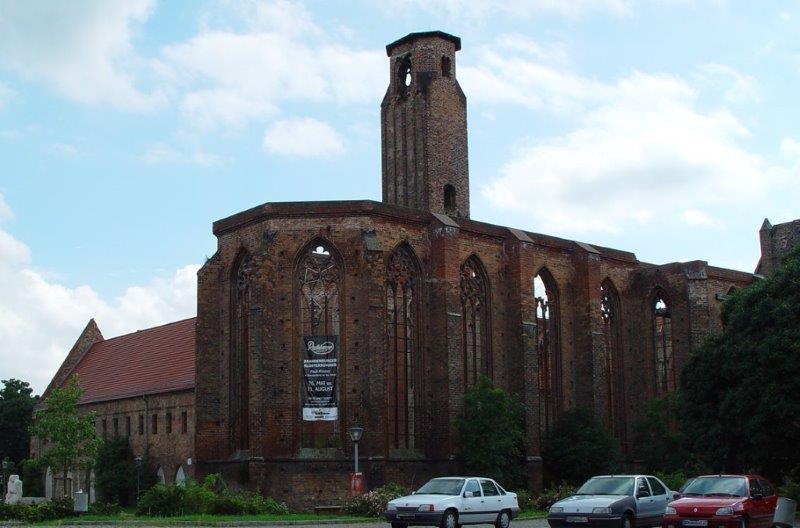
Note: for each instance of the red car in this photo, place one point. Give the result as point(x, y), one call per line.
point(723, 501)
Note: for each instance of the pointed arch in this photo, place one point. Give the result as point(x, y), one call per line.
point(403, 280)
point(160, 478)
point(610, 312)
point(548, 348)
point(319, 280)
point(180, 476)
point(476, 320)
point(663, 355)
point(241, 282)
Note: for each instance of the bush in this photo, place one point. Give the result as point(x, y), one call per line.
point(32, 478)
point(115, 471)
point(551, 495)
point(579, 447)
point(32, 513)
point(104, 508)
point(524, 500)
point(373, 503)
point(211, 497)
point(673, 480)
point(790, 490)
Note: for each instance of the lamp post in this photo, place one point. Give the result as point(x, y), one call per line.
point(356, 478)
point(138, 462)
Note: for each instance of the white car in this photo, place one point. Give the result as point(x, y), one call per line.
point(454, 501)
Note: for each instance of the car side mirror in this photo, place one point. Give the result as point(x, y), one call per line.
point(414, 492)
point(468, 494)
point(676, 496)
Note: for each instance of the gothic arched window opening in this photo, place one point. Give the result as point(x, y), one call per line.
point(449, 200)
point(319, 278)
point(475, 320)
point(402, 299)
point(610, 313)
point(548, 349)
point(241, 286)
point(662, 344)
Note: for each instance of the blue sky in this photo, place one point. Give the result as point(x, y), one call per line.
point(663, 127)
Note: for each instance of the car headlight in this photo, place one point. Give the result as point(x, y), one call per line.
point(670, 511)
point(556, 509)
point(391, 507)
point(727, 510)
point(601, 510)
point(425, 508)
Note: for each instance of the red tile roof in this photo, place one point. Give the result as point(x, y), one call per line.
point(154, 360)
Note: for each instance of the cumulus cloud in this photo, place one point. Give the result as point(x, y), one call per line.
point(303, 137)
point(233, 77)
point(736, 87)
point(643, 149)
point(40, 318)
point(481, 9)
point(83, 50)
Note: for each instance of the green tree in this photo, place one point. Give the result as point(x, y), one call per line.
point(740, 390)
point(578, 447)
point(658, 439)
point(68, 431)
point(491, 434)
point(115, 471)
point(16, 410)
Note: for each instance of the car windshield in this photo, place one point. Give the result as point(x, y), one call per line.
point(717, 486)
point(442, 487)
point(607, 486)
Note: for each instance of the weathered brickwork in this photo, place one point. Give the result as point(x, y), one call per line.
point(776, 242)
point(552, 349)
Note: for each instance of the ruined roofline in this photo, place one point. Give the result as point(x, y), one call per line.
point(420, 35)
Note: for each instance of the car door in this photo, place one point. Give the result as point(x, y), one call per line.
point(492, 500)
point(660, 497)
point(759, 510)
point(646, 510)
point(472, 508)
point(770, 498)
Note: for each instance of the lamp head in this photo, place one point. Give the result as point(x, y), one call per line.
point(355, 433)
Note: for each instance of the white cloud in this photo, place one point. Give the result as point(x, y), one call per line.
point(483, 9)
point(736, 87)
point(645, 150)
point(82, 49)
point(693, 217)
point(162, 153)
point(790, 148)
point(233, 77)
point(40, 319)
point(303, 137)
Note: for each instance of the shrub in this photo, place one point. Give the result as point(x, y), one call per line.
point(32, 513)
point(551, 495)
point(673, 480)
point(162, 500)
point(790, 490)
point(104, 508)
point(524, 500)
point(115, 471)
point(373, 503)
point(579, 447)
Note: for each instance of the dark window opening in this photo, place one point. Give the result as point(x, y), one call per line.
point(403, 74)
point(475, 321)
point(128, 426)
point(184, 422)
point(116, 426)
point(450, 200)
point(169, 423)
point(154, 424)
point(141, 424)
point(445, 66)
point(105, 427)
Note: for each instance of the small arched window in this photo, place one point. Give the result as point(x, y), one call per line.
point(662, 344)
point(403, 80)
point(450, 200)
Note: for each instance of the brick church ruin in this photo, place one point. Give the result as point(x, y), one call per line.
point(313, 317)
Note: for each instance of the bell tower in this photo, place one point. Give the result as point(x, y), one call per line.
point(424, 126)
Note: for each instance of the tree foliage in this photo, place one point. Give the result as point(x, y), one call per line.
point(579, 447)
point(115, 471)
point(491, 434)
point(16, 409)
point(68, 432)
point(658, 439)
point(740, 390)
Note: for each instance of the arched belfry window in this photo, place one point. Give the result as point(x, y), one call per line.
point(402, 328)
point(403, 80)
point(548, 349)
point(241, 288)
point(662, 344)
point(475, 319)
point(319, 279)
point(610, 313)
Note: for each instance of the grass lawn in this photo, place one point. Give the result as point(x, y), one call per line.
point(532, 515)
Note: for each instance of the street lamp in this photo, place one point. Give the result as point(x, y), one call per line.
point(138, 462)
point(356, 433)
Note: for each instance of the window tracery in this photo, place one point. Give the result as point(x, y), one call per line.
point(475, 316)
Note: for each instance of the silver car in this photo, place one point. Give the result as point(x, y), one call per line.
point(618, 501)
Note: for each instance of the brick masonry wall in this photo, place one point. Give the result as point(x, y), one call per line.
point(276, 234)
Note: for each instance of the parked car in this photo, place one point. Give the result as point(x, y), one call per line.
point(454, 501)
point(624, 501)
point(729, 501)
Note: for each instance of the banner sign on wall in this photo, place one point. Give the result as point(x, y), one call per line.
point(320, 371)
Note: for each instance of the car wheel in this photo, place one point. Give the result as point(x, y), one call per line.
point(627, 521)
point(503, 520)
point(449, 519)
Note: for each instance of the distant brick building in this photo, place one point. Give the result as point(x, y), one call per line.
point(317, 316)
